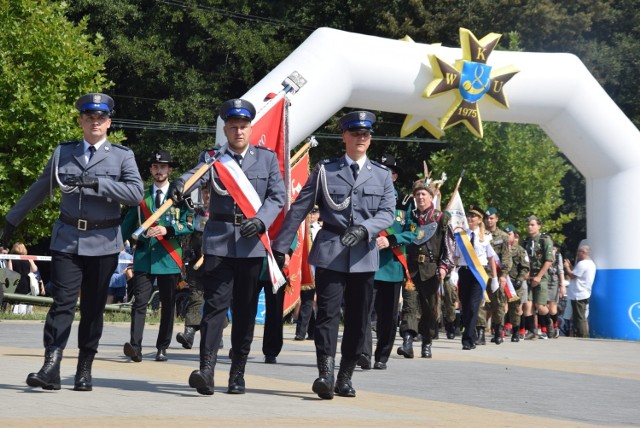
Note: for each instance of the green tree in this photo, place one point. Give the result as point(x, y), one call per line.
point(46, 62)
point(515, 168)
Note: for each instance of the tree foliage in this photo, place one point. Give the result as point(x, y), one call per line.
point(46, 62)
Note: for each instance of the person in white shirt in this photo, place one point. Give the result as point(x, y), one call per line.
point(469, 289)
point(579, 291)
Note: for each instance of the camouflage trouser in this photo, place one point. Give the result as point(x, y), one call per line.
point(498, 299)
point(515, 308)
point(410, 311)
point(449, 300)
point(193, 314)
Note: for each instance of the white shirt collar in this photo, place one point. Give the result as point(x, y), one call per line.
point(360, 162)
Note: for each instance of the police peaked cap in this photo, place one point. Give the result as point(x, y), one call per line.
point(358, 120)
point(389, 161)
point(95, 103)
point(162, 157)
point(237, 108)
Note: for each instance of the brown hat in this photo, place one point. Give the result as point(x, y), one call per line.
point(420, 184)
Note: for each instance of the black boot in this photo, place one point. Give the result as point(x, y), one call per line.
point(480, 340)
point(83, 372)
point(323, 385)
point(186, 338)
point(343, 382)
point(451, 329)
point(236, 374)
point(499, 330)
point(202, 380)
point(457, 324)
point(515, 333)
point(426, 349)
point(49, 375)
point(406, 350)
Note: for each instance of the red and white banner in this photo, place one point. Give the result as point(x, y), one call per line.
point(298, 267)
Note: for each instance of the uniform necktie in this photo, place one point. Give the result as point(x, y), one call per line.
point(158, 198)
point(473, 238)
point(354, 169)
point(92, 151)
point(238, 158)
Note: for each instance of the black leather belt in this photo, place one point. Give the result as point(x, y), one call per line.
point(82, 224)
point(421, 258)
point(338, 230)
point(236, 219)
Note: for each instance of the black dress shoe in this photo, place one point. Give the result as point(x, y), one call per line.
point(467, 347)
point(364, 362)
point(379, 365)
point(161, 355)
point(270, 359)
point(298, 337)
point(133, 353)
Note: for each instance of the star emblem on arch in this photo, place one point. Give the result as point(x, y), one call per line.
point(471, 78)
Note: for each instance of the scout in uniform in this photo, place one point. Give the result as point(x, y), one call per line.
point(498, 298)
point(356, 201)
point(519, 273)
point(539, 248)
point(157, 257)
point(231, 243)
point(95, 178)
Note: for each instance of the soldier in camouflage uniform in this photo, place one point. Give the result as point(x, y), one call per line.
point(519, 272)
point(498, 298)
point(450, 315)
point(539, 248)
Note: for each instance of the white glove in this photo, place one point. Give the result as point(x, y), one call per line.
point(453, 278)
point(494, 284)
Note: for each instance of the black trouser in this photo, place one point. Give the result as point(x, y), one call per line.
point(227, 278)
point(331, 288)
point(140, 287)
point(470, 293)
point(89, 276)
point(385, 304)
point(306, 317)
point(272, 339)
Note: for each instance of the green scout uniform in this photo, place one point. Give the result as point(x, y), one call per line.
point(518, 274)
point(500, 244)
point(540, 250)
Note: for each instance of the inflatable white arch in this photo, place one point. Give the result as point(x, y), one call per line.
point(552, 90)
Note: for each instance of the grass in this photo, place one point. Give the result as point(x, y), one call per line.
point(40, 314)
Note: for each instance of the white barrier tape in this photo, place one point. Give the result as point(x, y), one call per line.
point(41, 258)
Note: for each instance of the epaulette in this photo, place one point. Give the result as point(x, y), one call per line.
point(66, 143)
point(264, 148)
point(379, 165)
point(121, 147)
point(326, 161)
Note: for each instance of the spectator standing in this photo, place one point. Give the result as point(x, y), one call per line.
point(582, 277)
point(122, 274)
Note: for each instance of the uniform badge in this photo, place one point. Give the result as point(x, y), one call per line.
point(425, 232)
point(362, 116)
point(97, 98)
point(237, 103)
point(412, 227)
point(158, 156)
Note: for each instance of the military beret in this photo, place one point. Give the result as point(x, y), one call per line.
point(474, 209)
point(163, 157)
point(389, 161)
point(95, 103)
point(358, 120)
point(509, 228)
point(237, 108)
point(491, 211)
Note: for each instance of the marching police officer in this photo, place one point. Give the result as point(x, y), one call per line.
point(158, 256)
point(356, 201)
point(95, 177)
point(233, 252)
